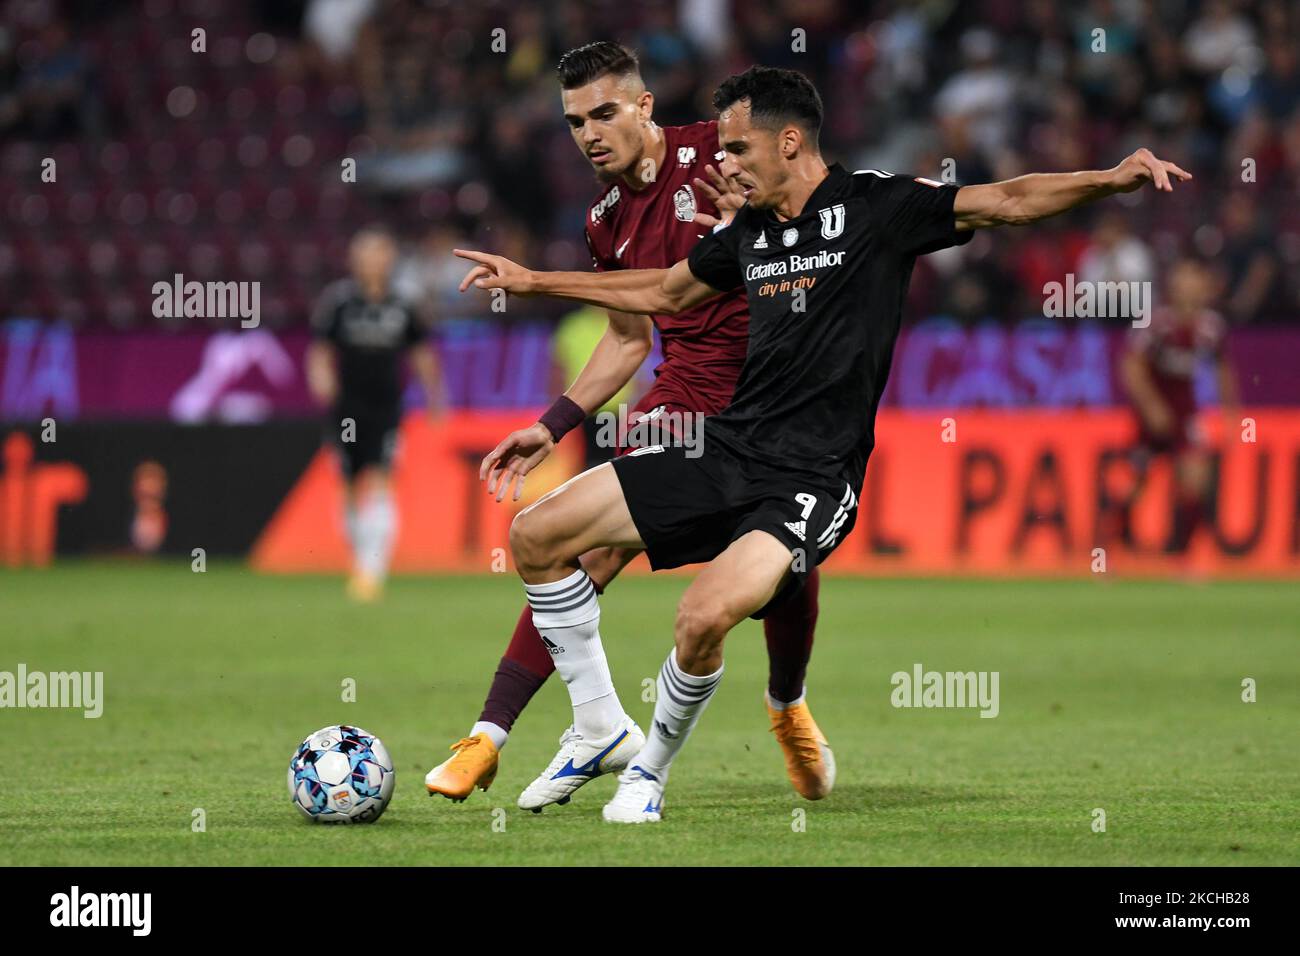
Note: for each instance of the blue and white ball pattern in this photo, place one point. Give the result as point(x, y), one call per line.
point(341, 774)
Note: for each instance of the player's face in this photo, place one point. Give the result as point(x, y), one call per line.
point(372, 258)
point(608, 118)
point(753, 157)
point(1189, 287)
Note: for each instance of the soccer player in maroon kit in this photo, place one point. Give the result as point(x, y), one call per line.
point(656, 207)
point(1159, 373)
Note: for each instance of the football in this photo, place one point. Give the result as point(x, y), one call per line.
point(341, 774)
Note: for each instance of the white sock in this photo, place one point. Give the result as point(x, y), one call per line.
point(376, 521)
point(567, 615)
point(783, 704)
point(498, 735)
point(679, 702)
point(350, 525)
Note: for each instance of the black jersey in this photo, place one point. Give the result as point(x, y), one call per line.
point(370, 337)
point(813, 376)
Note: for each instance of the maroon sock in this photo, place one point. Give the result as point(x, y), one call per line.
point(519, 676)
point(1187, 517)
point(789, 631)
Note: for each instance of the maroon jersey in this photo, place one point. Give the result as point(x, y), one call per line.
point(653, 228)
point(1173, 349)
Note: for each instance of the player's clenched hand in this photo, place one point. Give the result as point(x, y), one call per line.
point(1143, 167)
point(510, 462)
point(723, 193)
point(495, 272)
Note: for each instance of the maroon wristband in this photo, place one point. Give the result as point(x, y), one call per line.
point(562, 417)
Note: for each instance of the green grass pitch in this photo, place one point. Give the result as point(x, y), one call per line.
point(1119, 695)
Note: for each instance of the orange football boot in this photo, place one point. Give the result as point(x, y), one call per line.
point(808, 758)
point(365, 588)
point(473, 765)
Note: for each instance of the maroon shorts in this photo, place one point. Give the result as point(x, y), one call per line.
point(1183, 436)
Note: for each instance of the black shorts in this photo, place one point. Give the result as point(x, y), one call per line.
point(688, 510)
point(365, 435)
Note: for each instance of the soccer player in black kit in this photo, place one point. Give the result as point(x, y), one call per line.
point(825, 256)
point(360, 329)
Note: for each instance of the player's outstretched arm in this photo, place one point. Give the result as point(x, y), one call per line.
point(650, 291)
point(1026, 199)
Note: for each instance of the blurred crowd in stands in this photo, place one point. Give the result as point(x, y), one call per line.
point(211, 137)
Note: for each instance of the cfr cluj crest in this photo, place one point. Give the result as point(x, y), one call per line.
point(832, 221)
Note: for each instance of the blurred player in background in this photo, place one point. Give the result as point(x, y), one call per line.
point(648, 216)
point(1159, 375)
point(361, 327)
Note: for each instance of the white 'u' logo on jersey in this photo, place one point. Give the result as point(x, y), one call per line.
point(832, 221)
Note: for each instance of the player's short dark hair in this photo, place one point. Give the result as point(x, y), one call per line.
point(776, 97)
point(374, 230)
point(584, 64)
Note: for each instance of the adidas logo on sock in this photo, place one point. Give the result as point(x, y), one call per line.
point(663, 729)
point(551, 645)
point(800, 528)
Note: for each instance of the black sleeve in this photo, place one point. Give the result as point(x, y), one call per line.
point(715, 260)
point(914, 214)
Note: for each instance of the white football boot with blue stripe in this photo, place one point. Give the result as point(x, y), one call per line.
point(638, 799)
point(580, 761)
